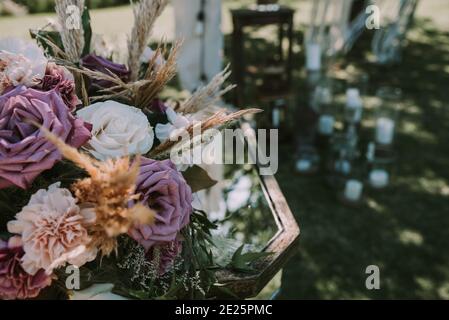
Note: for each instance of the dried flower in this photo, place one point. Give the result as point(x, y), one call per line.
point(145, 14)
point(59, 78)
point(100, 64)
point(21, 62)
point(15, 283)
point(164, 255)
point(164, 190)
point(109, 190)
point(72, 36)
point(209, 95)
point(220, 118)
point(53, 230)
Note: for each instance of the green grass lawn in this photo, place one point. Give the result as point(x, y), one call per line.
point(404, 229)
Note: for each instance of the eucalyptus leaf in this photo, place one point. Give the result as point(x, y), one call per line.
point(198, 179)
point(242, 261)
point(51, 36)
point(87, 31)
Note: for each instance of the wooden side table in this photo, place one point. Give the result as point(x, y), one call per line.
point(255, 16)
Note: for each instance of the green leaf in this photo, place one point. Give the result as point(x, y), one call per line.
point(242, 261)
point(226, 292)
point(5, 236)
point(51, 36)
point(85, 19)
point(139, 294)
point(198, 179)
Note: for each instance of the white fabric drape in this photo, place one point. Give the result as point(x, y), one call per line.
point(194, 58)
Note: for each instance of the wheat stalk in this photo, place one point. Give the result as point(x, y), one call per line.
point(145, 14)
point(220, 118)
point(157, 77)
point(72, 36)
point(207, 95)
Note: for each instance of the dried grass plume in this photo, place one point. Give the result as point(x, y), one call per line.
point(72, 36)
point(145, 14)
point(207, 95)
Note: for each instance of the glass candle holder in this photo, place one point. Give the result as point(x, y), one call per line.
point(386, 115)
point(322, 102)
point(307, 161)
point(380, 162)
point(353, 191)
point(354, 106)
point(356, 89)
point(379, 177)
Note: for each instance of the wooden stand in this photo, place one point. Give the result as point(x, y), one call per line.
point(283, 17)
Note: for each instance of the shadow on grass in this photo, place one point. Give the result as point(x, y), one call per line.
point(404, 229)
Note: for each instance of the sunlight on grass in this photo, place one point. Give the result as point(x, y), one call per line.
point(411, 237)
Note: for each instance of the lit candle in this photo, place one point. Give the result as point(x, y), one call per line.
point(379, 178)
point(326, 125)
point(303, 165)
point(354, 104)
point(384, 130)
point(313, 56)
point(353, 190)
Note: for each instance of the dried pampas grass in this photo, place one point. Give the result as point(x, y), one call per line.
point(145, 14)
point(220, 118)
point(156, 76)
point(72, 36)
point(208, 95)
point(138, 93)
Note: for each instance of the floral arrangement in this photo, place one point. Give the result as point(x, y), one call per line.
point(85, 175)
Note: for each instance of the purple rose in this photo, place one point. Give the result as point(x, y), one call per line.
point(164, 190)
point(164, 255)
point(158, 106)
point(24, 151)
point(59, 78)
point(15, 283)
point(97, 63)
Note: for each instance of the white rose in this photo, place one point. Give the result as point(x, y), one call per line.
point(21, 62)
point(118, 130)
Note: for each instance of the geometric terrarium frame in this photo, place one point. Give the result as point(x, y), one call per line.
point(281, 246)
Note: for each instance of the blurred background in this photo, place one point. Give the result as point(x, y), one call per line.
point(403, 229)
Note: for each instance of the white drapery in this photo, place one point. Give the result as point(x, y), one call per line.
point(201, 54)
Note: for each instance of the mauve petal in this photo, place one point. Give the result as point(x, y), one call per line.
point(24, 152)
point(15, 283)
point(160, 183)
point(97, 63)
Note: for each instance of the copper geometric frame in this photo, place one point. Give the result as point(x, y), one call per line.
point(282, 245)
